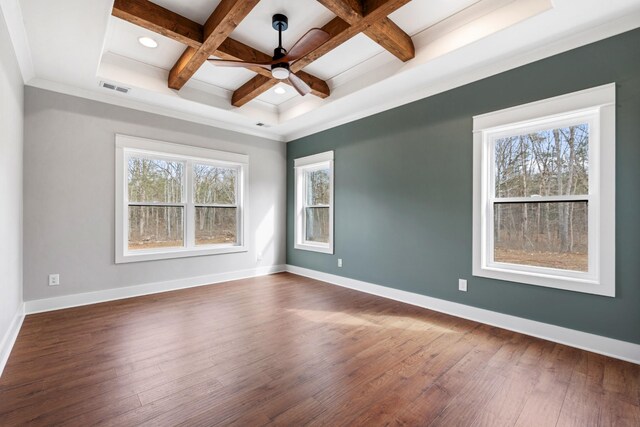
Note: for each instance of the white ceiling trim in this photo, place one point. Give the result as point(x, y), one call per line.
point(355, 94)
point(374, 98)
point(12, 13)
point(121, 100)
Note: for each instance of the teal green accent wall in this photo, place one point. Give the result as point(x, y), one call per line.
point(403, 192)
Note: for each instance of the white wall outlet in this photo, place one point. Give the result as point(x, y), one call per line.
point(259, 256)
point(339, 262)
point(462, 285)
point(54, 279)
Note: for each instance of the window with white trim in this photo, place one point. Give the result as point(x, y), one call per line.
point(314, 203)
point(544, 193)
point(176, 201)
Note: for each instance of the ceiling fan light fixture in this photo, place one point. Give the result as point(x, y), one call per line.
point(148, 42)
point(280, 71)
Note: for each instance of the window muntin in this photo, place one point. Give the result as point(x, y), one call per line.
point(177, 200)
point(314, 203)
point(544, 193)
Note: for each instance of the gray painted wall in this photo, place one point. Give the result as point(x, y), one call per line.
point(11, 117)
point(69, 201)
point(403, 192)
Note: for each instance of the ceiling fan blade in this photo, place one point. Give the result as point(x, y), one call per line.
point(313, 39)
point(229, 63)
point(299, 85)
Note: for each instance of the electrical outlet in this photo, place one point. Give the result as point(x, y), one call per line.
point(54, 279)
point(259, 256)
point(339, 262)
point(462, 285)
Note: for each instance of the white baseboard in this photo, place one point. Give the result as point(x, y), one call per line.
point(75, 300)
point(9, 339)
point(623, 350)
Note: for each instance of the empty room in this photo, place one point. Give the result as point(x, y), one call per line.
point(320, 212)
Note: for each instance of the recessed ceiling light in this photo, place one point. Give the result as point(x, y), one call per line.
point(280, 90)
point(148, 42)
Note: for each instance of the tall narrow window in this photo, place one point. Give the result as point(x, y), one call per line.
point(314, 203)
point(176, 201)
point(544, 193)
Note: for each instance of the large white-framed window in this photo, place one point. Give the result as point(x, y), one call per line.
point(544, 193)
point(176, 201)
point(314, 203)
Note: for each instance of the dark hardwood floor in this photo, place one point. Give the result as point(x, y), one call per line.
point(287, 350)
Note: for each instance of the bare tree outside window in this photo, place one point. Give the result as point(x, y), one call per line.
point(317, 205)
point(544, 233)
point(215, 194)
point(155, 190)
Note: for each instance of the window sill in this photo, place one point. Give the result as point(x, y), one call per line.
point(326, 249)
point(151, 255)
point(584, 285)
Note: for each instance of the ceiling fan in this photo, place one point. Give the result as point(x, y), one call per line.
point(280, 65)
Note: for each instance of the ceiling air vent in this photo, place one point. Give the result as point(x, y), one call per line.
point(262, 125)
point(112, 86)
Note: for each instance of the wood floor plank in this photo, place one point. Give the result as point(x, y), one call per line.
point(287, 350)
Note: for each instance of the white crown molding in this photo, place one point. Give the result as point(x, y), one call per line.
point(12, 13)
point(122, 101)
point(9, 338)
point(354, 96)
point(472, 74)
point(618, 349)
point(86, 298)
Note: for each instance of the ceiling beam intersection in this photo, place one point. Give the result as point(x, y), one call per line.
point(352, 17)
point(371, 14)
point(162, 21)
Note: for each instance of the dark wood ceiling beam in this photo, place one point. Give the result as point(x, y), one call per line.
point(381, 29)
point(176, 27)
point(339, 32)
point(224, 19)
point(391, 37)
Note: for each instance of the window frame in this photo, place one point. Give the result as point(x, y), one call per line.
point(302, 166)
point(594, 106)
point(130, 146)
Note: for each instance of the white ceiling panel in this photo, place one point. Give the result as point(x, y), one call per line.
point(224, 77)
point(122, 39)
point(349, 54)
point(421, 14)
point(196, 10)
point(274, 98)
point(256, 30)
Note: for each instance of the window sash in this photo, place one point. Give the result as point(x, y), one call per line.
point(303, 167)
point(305, 197)
point(590, 117)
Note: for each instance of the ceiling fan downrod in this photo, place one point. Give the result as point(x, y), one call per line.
point(280, 70)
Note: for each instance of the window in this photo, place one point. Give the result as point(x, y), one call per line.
point(544, 193)
point(314, 203)
point(175, 201)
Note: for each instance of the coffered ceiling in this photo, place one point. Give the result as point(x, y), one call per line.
point(73, 45)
